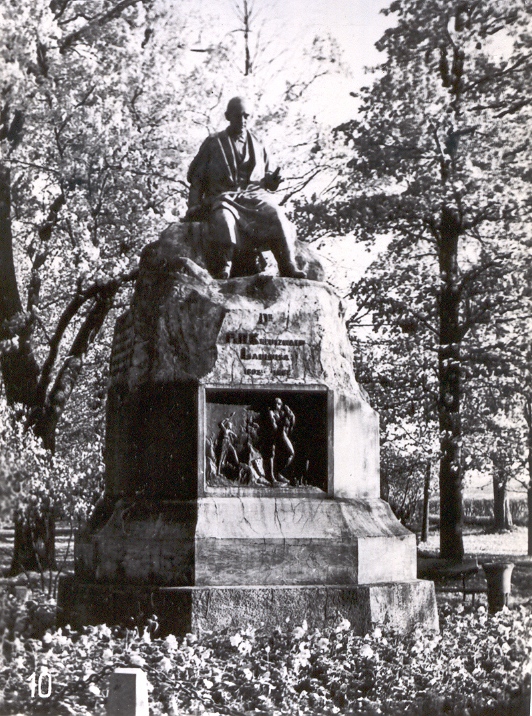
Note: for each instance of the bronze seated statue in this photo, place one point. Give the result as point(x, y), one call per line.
point(231, 195)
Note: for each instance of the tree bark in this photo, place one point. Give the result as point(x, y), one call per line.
point(502, 516)
point(528, 418)
point(19, 367)
point(529, 500)
point(34, 547)
point(46, 424)
point(426, 498)
point(450, 389)
point(246, 19)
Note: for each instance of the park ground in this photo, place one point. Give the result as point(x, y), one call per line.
point(479, 665)
point(487, 546)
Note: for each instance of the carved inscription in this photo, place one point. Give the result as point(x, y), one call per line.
point(253, 339)
point(252, 350)
point(246, 354)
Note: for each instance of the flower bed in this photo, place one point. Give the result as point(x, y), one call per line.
point(476, 665)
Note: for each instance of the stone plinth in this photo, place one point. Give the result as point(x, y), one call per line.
point(250, 540)
point(242, 465)
point(182, 610)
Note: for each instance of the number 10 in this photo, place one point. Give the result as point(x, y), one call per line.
point(37, 685)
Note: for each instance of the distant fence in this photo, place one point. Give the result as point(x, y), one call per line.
point(479, 510)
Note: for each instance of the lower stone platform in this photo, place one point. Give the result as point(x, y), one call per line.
point(180, 610)
point(243, 540)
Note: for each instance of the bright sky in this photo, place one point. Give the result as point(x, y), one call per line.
point(355, 24)
point(291, 25)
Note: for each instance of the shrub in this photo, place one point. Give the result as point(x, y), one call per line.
point(476, 666)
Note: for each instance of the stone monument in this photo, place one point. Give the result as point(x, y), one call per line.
point(242, 462)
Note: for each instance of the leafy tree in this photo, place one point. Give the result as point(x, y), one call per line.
point(73, 207)
point(103, 105)
point(398, 377)
point(527, 410)
point(510, 428)
point(37, 484)
point(62, 224)
point(439, 165)
point(504, 442)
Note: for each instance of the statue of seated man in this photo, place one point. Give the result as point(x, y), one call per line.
point(230, 187)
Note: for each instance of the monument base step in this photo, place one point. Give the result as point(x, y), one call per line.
point(180, 610)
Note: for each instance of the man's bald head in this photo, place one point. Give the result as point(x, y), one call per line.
point(237, 104)
point(237, 114)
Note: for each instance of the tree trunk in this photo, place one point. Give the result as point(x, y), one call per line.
point(501, 505)
point(426, 497)
point(528, 418)
point(34, 548)
point(246, 13)
point(529, 500)
point(450, 388)
point(19, 367)
point(46, 423)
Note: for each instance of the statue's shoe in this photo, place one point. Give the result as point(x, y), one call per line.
point(223, 274)
point(291, 271)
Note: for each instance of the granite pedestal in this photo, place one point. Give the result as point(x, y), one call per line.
point(242, 466)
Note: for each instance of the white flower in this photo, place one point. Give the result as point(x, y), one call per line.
point(171, 642)
point(344, 625)
point(300, 631)
point(137, 660)
point(104, 630)
point(366, 652)
point(166, 664)
point(107, 655)
point(18, 646)
point(235, 640)
point(146, 636)
point(87, 673)
point(245, 647)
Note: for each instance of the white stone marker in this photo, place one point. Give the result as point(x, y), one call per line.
point(128, 693)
